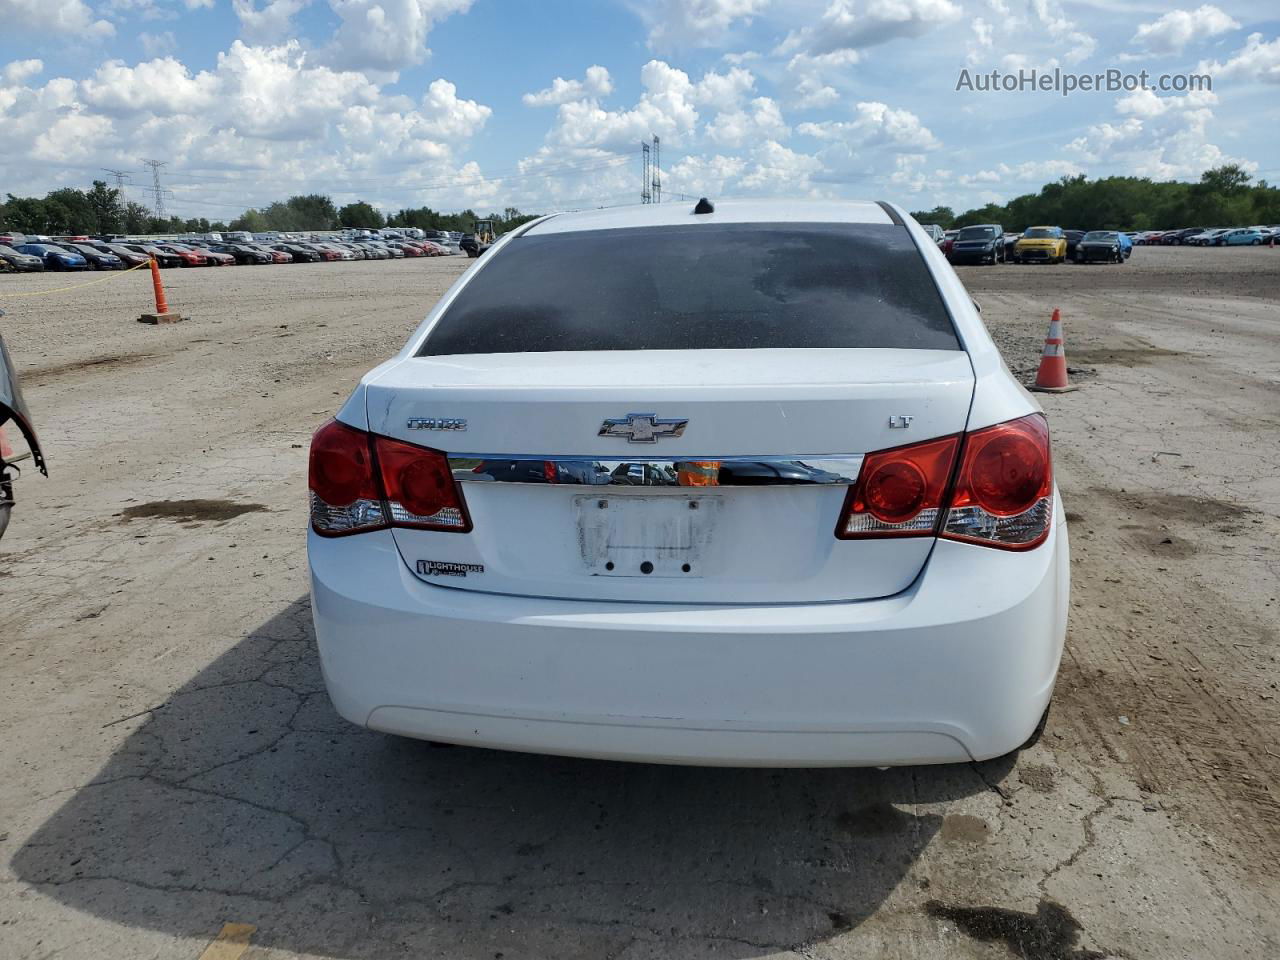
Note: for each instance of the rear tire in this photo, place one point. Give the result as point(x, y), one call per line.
point(1038, 732)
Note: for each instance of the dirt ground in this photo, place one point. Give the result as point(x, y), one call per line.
point(169, 762)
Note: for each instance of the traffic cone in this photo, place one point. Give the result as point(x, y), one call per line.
point(1052, 375)
point(162, 314)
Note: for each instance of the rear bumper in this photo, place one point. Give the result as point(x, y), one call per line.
point(972, 256)
point(958, 667)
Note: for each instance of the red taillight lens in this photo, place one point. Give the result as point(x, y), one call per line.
point(899, 492)
point(1002, 497)
point(361, 482)
point(345, 497)
point(550, 472)
point(420, 488)
point(1004, 488)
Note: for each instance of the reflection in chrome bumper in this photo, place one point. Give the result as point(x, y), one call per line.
point(660, 472)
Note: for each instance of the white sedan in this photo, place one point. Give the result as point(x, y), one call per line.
point(744, 484)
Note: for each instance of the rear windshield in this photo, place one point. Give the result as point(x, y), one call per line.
point(977, 233)
point(699, 287)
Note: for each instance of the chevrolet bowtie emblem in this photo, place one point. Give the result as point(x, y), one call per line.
point(642, 428)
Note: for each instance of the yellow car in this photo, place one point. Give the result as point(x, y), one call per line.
point(1041, 244)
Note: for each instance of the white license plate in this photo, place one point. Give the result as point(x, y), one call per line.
point(646, 536)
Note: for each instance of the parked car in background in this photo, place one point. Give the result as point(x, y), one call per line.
point(1073, 237)
point(243, 254)
point(163, 258)
point(980, 243)
point(1101, 246)
point(934, 231)
point(276, 255)
point(189, 255)
point(97, 259)
point(1248, 236)
point(1041, 245)
point(217, 258)
point(128, 256)
point(325, 253)
point(300, 253)
point(19, 262)
point(54, 257)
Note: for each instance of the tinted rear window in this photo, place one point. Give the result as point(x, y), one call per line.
point(977, 233)
point(698, 287)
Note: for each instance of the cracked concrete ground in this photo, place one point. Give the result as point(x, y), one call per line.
point(169, 761)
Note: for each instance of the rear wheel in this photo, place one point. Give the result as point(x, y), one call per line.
point(1038, 732)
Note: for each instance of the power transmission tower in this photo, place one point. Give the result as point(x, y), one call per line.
point(156, 189)
point(646, 173)
point(120, 176)
point(656, 187)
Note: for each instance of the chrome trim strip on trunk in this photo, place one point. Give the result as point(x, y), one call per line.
point(825, 470)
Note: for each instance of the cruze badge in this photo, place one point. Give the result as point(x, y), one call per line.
point(437, 423)
point(642, 428)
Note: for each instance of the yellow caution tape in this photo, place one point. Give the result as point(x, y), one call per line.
point(75, 286)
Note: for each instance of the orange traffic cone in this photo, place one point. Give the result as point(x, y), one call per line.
point(162, 314)
point(1052, 375)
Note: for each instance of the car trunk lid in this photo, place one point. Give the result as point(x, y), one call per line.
point(583, 472)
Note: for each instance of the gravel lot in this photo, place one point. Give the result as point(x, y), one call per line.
point(169, 762)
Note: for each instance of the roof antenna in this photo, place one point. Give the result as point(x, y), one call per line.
point(705, 206)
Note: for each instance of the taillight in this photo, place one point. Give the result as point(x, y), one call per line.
point(419, 487)
point(345, 496)
point(360, 482)
point(1004, 488)
point(899, 492)
point(1001, 496)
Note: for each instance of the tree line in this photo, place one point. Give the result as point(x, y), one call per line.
point(1223, 197)
point(104, 210)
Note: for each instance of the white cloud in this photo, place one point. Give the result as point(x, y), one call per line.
point(158, 44)
point(162, 86)
point(665, 108)
point(761, 120)
point(684, 24)
point(596, 84)
point(53, 16)
point(1163, 138)
point(1172, 32)
point(1034, 172)
point(284, 123)
point(1256, 60)
point(724, 91)
point(775, 168)
point(386, 35)
point(704, 176)
point(847, 25)
point(1080, 45)
point(877, 124)
point(272, 21)
point(447, 116)
point(19, 71)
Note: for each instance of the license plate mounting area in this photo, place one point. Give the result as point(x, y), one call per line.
point(647, 536)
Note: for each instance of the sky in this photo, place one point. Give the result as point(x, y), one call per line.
point(543, 105)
